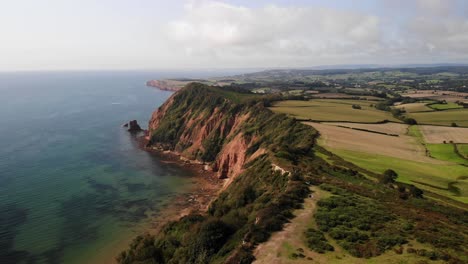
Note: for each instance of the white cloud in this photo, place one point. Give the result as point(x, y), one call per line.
point(273, 34)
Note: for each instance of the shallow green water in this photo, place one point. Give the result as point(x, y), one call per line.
point(72, 181)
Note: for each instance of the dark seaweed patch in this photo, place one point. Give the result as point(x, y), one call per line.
point(11, 217)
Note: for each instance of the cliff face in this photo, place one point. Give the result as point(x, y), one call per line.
point(162, 85)
point(204, 126)
point(260, 153)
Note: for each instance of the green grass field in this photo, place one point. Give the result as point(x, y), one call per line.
point(463, 149)
point(445, 152)
point(446, 118)
point(449, 105)
point(435, 178)
point(333, 110)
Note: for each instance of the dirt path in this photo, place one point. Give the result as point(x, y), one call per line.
point(278, 248)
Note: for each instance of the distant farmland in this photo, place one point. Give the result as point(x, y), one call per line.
point(333, 110)
point(415, 107)
point(445, 118)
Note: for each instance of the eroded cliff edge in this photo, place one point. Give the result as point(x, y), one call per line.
point(255, 150)
point(219, 128)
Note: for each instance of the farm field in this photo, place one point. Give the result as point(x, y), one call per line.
point(442, 173)
point(439, 134)
point(415, 107)
point(446, 152)
point(349, 139)
point(388, 128)
point(449, 105)
point(436, 178)
point(437, 95)
point(333, 110)
point(445, 118)
point(463, 149)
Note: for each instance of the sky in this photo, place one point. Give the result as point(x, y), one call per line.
point(203, 34)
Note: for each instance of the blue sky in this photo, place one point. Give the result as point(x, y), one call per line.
point(199, 34)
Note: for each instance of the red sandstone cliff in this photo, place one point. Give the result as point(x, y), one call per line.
point(221, 125)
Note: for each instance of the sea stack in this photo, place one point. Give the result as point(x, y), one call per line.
point(133, 126)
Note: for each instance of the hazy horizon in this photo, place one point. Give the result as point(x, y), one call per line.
point(71, 35)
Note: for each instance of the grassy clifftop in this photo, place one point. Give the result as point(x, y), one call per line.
point(270, 160)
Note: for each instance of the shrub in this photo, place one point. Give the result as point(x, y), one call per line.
point(316, 241)
point(389, 176)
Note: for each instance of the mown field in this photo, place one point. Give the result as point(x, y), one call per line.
point(444, 118)
point(403, 146)
point(439, 134)
point(333, 110)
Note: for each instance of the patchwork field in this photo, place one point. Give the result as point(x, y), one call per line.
point(437, 95)
point(438, 169)
point(439, 134)
point(446, 118)
point(402, 146)
point(333, 110)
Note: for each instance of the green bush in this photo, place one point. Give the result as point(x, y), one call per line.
point(316, 241)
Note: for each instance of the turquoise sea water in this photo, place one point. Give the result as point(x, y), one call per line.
point(72, 181)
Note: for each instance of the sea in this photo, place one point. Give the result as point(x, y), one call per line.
point(74, 185)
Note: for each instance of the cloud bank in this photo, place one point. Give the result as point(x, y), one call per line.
point(307, 35)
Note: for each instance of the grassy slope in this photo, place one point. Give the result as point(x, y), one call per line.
point(333, 110)
point(284, 244)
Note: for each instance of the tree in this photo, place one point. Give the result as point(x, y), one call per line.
point(389, 176)
point(454, 124)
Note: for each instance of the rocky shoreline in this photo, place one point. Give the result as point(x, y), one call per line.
point(207, 186)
